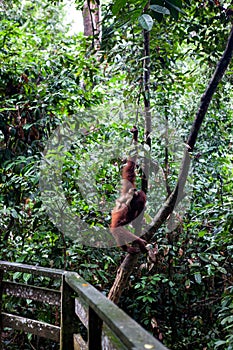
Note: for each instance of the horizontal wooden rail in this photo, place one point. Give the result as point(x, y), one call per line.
point(45, 295)
point(35, 270)
point(42, 329)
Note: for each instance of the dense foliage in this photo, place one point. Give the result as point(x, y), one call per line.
point(185, 297)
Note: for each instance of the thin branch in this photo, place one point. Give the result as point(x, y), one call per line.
point(146, 97)
point(207, 96)
point(169, 205)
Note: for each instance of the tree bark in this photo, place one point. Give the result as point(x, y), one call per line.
point(127, 266)
point(91, 21)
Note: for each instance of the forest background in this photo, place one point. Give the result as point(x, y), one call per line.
point(185, 295)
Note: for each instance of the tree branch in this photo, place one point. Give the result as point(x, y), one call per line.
point(129, 262)
point(177, 193)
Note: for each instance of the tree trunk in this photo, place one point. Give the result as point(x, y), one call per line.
point(91, 21)
point(123, 274)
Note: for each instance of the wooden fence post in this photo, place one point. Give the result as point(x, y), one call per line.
point(94, 330)
point(68, 317)
point(1, 291)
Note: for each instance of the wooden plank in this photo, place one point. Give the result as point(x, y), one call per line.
point(81, 311)
point(79, 343)
point(94, 330)
point(45, 295)
point(131, 334)
point(69, 322)
point(27, 325)
point(35, 270)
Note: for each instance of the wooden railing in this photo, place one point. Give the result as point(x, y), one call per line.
point(80, 304)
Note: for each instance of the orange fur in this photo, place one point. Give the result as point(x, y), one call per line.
point(127, 214)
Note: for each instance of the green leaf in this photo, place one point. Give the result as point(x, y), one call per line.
point(222, 270)
point(187, 283)
point(176, 5)
point(117, 6)
point(202, 233)
point(146, 22)
point(157, 16)
point(198, 277)
point(26, 277)
point(160, 9)
point(228, 319)
point(17, 275)
point(7, 109)
point(219, 343)
point(14, 214)
point(173, 3)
